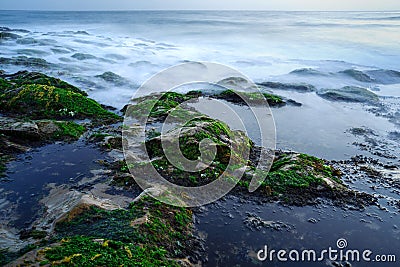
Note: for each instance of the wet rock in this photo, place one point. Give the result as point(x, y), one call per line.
point(362, 131)
point(113, 78)
point(349, 94)
point(292, 102)
point(112, 142)
point(312, 220)
point(19, 129)
point(357, 75)
point(83, 56)
point(251, 98)
point(9, 35)
point(47, 128)
point(237, 83)
point(300, 87)
point(394, 136)
point(254, 222)
point(385, 76)
point(9, 147)
point(308, 71)
point(27, 41)
point(26, 61)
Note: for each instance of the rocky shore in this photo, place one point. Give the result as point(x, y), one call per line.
point(89, 224)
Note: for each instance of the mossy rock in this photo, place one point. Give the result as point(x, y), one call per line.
point(148, 233)
point(250, 97)
point(26, 77)
point(61, 130)
point(157, 107)
point(38, 101)
point(5, 85)
point(231, 148)
point(293, 171)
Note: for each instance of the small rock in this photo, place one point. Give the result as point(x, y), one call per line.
point(312, 220)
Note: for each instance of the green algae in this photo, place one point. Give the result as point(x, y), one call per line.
point(148, 233)
point(251, 97)
point(25, 77)
point(49, 102)
point(296, 171)
point(68, 130)
point(158, 107)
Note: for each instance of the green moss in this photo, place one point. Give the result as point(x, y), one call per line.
point(159, 107)
point(191, 134)
point(25, 77)
point(149, 233)
point(301, 171)
point(49, 102)
point(98, 136)
point(5, 85)
point(68, 129)
point(83, 251)
point(251, 97)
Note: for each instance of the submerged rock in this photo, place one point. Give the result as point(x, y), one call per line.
point(26, 61)
point(385, 76)
point(9, 35)
point(300, 87)
point(349, 94)
point(113, 78)
point(307, 71)
point(237, 83)
point(357, 75)
point(254, 222)
point(83, 56)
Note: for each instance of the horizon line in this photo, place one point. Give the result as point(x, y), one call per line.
point(129, 10)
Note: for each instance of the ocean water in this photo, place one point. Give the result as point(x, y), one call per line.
point(262, 45)
point(289, 47)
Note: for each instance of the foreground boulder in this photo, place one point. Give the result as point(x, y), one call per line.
point(146, 234)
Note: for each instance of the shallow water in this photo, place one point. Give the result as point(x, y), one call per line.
point(231, 242)
point(318, 127)
point(30, 174)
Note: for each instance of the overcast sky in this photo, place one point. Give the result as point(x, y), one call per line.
point(358, 5)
